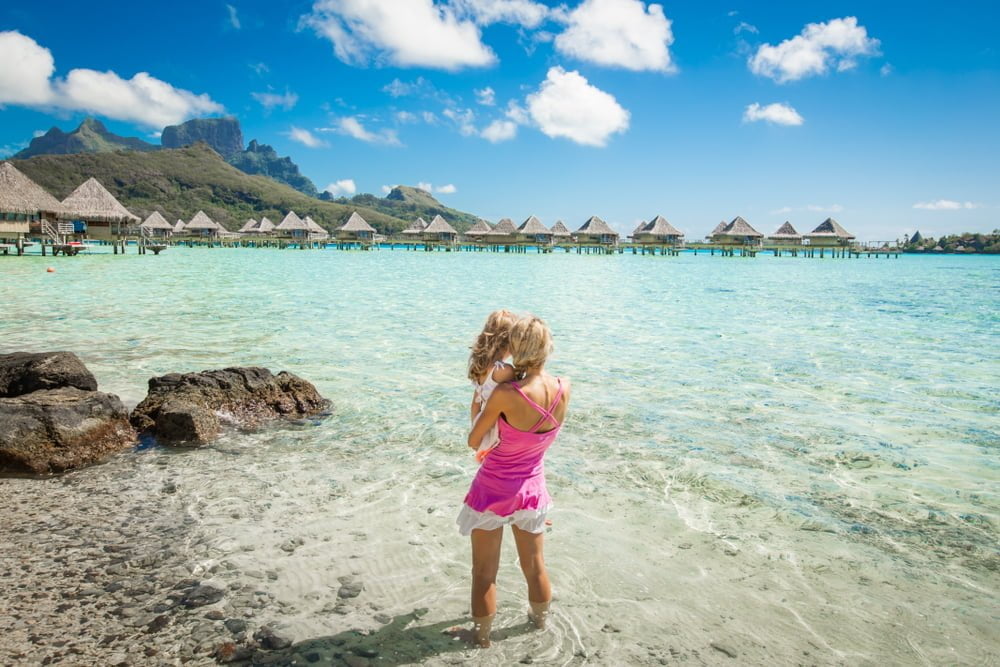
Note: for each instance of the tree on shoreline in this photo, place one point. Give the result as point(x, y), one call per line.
point(967, 243)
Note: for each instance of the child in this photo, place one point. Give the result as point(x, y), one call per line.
point(487, 369)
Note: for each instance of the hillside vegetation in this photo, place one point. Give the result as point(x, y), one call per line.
point(178, 183)
point(410, 203)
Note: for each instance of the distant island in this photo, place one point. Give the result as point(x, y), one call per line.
point(964, 244)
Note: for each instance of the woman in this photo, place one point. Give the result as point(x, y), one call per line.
point(510, 485)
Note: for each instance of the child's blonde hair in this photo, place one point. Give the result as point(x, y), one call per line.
point(530, 343)
point(492, 340)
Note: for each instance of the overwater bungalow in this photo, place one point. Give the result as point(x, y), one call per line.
point(439, 231)
point(718, 230)
point(828, 233)
point(738, 232)
point(561, 233)
point(179, 227)
point(596, 232)
point(292, 226)
point(416, 228)
point(658, 231)
point(96, 212)
point(201, 225)
point(533, 232)
point(503, 233)
point(478, 230)
point(356, 229)
point(316, 231)
point(156, 226)
point(786, 235)
point(22, 202)
point(249, 226)
point(265, 226)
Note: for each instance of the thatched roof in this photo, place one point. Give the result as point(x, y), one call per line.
point(831, 227)
point(156, 221)
point(786, 231)
point(560, 229)
point(315, 228)
point(416, 227)
point(200, 221)
point(479, 228)
point(505, 226)
point(91, 201)
point(917, 237)
point(659, 226)
point(292, 222)
point(638, 228)
point(265, 225)
point(179, 226)
point(439, 226)
point(740, 227)
point(596, 226)
point(249, 226)
point(533, 226)
point(222, 228)
point(718, 228)
point(20, 194)
point(356, 223)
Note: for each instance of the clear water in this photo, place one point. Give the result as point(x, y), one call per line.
point(794, 458)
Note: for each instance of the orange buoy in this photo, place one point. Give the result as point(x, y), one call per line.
point(50, 270)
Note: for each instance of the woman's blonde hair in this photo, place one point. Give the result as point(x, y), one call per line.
point(492, 340)
point(530, 343)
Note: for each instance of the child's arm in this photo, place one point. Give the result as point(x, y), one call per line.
point(505, 373)
point(491, 413)
point(477, 405)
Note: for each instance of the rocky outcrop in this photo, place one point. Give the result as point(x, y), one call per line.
point(262, 159)
point(222, 134)
point(52, 418)
point(190, 408)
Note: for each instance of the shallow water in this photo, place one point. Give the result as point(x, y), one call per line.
point(794, 459)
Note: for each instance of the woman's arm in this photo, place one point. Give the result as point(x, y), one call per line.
point(491, 413)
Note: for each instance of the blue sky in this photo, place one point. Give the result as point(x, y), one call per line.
point(883, 115)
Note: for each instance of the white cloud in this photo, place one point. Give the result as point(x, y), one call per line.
point(499, 130)
point(26, 70)
point(416, 33)
point(745, 27)
point(776, 114)
point(519, 12)
point(386, 189)
point(944, 205)
point(886, 69)
point(352, 127)
point(405, 117)
point(618, 33)
point(429, 117)
point(486, 96)
point(305, 137)
point(39, 133)
point(342, 187)
point(234, 17)
point(781, 211)
point(426, 187)
point(464, 120)
point(272, 100)
point(832, 208)
point(398, 88)
point(819, 46)
point(567, 106)
point(9, 149)
point(259, 68)
point(449, 189)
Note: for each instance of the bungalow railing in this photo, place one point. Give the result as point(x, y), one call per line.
point(51, 232)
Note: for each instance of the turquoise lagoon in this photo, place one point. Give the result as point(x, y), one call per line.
point(795, 459)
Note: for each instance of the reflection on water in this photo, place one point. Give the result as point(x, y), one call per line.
point(794, 459)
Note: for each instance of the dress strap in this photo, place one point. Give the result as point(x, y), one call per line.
point(547, 414)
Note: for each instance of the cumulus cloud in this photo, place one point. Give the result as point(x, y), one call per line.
point(386, 189)
point(426, 187)
point(885, 70)
point(566, 105)
point(26, 79)
point(449, 189)
point(405, 117)
point(486, 96)
point(342, 187)
point(518, 12)
point(776, 114)
point(352, 126)
point(270, 100)
point(618, 33)
point(429, 117)
point(837, 43)
point(944, 205)
point(305, 137)
point(416, 33)
point(464, 120)
point(499, 130)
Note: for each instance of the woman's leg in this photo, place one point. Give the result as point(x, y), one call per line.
point(485, 563)
point(529, 552)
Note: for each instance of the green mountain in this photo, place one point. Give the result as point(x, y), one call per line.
point(180, 182)
point(264, 160)
point(409, 203)
point(90, 137)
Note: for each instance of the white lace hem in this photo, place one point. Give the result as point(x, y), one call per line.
point(531, 521)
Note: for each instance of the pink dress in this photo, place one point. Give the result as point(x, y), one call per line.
point(510, 484)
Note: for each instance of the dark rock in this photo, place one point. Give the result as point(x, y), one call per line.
point(222, 134)
point(186, 408)
point(263, 159)
point(724, 648)
point(349, 588)
point(24, 372)
point(230, 652)
point(202, 595)
point(236, 625)
point(59, 429)
point(215, 615)
point(365, 651)
point(157, 624)
point(272, 639)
